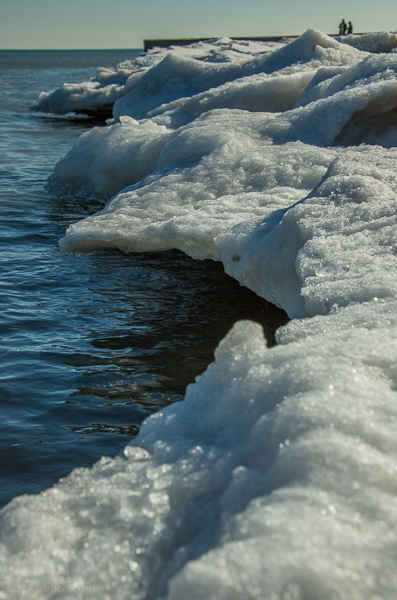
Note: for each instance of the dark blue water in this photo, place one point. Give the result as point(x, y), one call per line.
point(90, 344)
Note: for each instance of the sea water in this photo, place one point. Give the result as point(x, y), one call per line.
point(275, 477)
point(90, 344)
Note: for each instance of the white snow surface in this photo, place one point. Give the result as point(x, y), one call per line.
point(275, 478)
point(371, 42)
point(100, 93)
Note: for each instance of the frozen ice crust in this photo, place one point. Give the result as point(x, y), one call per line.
point(275, 475)
point(275, 478)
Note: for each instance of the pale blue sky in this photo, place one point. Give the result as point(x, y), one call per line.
point(45, 24)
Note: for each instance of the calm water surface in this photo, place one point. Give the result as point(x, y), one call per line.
point(91, 344)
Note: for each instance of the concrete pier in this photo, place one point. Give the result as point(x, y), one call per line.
point(149, 44)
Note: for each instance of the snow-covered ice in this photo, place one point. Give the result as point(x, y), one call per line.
point(275, 478)
point(97, 96)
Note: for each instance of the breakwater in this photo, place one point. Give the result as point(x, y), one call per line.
point(165, 43)
point(149, 44)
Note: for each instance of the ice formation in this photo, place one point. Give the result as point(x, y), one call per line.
point(97, 96)
point(276, 477)
point(371, 42)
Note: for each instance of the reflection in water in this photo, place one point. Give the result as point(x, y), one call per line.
point(165, 314)
point(128, 430)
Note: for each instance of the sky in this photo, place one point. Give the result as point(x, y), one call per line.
point(52, 24)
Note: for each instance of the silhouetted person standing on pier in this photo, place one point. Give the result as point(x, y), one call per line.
point(350, 28)
point(342, 27)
